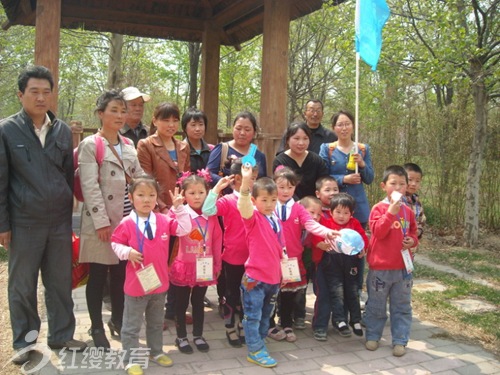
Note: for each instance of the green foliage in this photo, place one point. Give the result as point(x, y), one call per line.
point(4, 256)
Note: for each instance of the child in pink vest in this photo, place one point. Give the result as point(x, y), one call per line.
point(197, 264)
point(142, 238)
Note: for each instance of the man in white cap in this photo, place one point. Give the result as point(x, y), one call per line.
point(134, 128)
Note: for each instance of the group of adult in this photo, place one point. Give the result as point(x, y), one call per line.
point(36, 182)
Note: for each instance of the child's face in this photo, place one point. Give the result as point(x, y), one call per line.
point(314, 210)
point(327, 191)
point(394, 183)
point(265, 202)
point(341, 215)
point(195, 195)
point(144, 199)
point(285, 190)
point(414, 180)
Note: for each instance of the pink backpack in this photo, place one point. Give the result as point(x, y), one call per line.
point(99, 156)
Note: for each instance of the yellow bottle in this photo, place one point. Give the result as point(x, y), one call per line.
point(351, 165)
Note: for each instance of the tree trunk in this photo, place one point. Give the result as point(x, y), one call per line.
point(194, 63)
point(115, 76)
point(472, 192)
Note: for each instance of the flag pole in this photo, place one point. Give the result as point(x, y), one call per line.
point(356, 111)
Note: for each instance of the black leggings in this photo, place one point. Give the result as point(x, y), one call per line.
point(94, 292)
point(182, 294)
point(233, 305)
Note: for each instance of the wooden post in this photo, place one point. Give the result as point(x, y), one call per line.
point(274, 75)
point(47, 40)
point(210, 52)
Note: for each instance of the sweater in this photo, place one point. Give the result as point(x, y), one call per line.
point(235, 250)
point(155, 251)
point(205, 234)
point(387, 234)
point(265, 249)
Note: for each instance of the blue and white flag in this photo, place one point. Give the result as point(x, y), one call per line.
point(371, 16)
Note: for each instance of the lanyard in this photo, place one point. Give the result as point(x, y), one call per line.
point(403, 225)
point(140, 241)
point(203, 234)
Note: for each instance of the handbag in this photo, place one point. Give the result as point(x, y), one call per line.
point(79, 271)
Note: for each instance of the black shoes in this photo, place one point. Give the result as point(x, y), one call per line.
point(99, 338)
point(201, 344)
point(21, 357)
point(183, 345)
point(74, 345)
point(357, 329)
point(343, 329)
point(233, 338)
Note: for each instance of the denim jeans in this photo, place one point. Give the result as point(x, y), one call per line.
point(341, 274)
point(322, 305)
point(393, 286)
point(259, 301)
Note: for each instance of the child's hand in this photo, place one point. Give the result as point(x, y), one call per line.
point(323, 246)
point(394, 206)
point(362, 254)
point(223, 183)
point(177, 198)
point(332, 234)
point(135, 257)
point(246, 172)
point(408, 243)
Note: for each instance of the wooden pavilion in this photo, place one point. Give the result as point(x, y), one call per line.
point(211, 22)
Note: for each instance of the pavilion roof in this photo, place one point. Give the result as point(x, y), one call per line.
point(239, 20)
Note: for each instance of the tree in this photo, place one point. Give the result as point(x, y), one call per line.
point(457, 41)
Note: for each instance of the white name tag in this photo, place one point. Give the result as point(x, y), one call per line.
point(204, 268)
point(290, 270)
point(407, 259)
point(148, 278)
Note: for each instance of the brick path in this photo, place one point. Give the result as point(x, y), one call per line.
point(428, 352)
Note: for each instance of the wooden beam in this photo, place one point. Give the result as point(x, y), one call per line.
point(236, 10)
point(85, 14)
point(274, 72)
point(47, 40)
point(209, 97)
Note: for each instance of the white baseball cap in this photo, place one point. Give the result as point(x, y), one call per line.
point(131, 93)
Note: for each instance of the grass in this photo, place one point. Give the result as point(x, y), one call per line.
point(480, 262)
point(3, 254)
point(480, 327)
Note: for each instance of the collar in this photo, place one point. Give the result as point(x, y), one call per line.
point(134, 216)
point(193, 214)
point(204, 145)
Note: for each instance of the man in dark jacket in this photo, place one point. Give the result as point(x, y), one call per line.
point(36, 200)
point(313, 115)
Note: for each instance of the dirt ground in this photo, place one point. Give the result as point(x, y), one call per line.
point(490, 243)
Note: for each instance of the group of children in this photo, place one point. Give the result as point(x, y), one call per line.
point(265, 232)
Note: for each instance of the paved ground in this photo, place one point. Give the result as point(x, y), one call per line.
point(427, 353)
